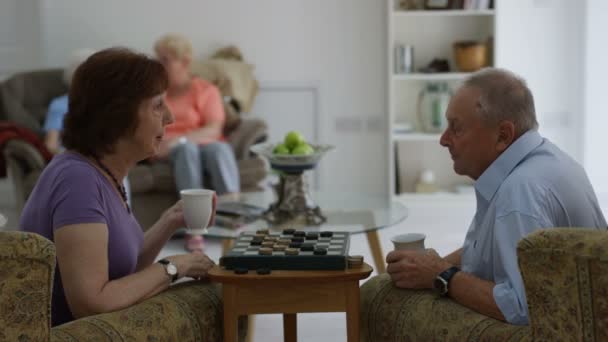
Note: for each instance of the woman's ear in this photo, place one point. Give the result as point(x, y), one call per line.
point(506, 135)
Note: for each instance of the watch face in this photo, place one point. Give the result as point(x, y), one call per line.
point(171, 269)
point(440, 285)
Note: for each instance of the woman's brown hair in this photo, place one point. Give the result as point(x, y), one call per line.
point(105, 96)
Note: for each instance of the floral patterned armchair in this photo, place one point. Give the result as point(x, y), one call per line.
point(189, 311)
point(565, 272)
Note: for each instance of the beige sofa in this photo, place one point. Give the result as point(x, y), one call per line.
point(565, 272)
point(24, 99)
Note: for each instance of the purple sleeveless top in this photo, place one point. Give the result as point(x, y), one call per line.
point(69, 191)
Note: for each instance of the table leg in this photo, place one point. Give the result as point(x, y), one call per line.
point(376, 248)
point(353, 307)
point(290, 327)
point(250, 327)
point(226, 245)
point(230, 315)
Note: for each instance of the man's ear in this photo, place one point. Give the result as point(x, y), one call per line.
point(506, 135)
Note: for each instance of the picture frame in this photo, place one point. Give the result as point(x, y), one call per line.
point(437, 4)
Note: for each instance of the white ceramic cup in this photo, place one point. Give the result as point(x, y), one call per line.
point(409, 241)
point(198, 207)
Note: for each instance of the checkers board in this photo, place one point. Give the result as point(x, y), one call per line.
point(288, 250)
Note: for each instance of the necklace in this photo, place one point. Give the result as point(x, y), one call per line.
point(119, 186)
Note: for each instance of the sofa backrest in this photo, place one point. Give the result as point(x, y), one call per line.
point(25, 97)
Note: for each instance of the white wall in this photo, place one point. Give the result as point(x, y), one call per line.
point(337, 44)
point(595, 121)
point(542, 40)
point(19, 36)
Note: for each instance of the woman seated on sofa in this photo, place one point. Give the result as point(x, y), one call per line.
point(116, 117)
point(194, 142)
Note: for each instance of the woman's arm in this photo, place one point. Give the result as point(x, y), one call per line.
point(51, 141)
point(156, 237)
point(212, 131)
point(83, 260)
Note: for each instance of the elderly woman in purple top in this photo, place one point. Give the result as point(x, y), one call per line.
point(116, 117)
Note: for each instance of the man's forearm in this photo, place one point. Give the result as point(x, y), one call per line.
point(474, 293)
point(454, 258)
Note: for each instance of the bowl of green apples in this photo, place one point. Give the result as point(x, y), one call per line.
point(292, 155)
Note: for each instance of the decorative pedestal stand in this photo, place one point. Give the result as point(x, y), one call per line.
point(294, 203)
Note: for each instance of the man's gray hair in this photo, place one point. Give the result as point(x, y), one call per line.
point(504, 96)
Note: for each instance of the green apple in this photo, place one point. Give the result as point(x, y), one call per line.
point(293, 139)
point(280, 149)
point(303, 149)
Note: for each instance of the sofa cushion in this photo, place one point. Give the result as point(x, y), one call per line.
point(233, 78)
point(158, 176)
point(26, 96)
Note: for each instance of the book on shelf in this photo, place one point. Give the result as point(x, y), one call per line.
point(476, 4)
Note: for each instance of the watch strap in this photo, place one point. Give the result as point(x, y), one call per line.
point(166, 263)
point(447, 275)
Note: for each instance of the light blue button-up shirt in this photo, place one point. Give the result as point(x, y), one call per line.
point(530, 186)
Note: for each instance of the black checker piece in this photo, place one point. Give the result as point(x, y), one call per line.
point(320, 251)
point(327, 234)
point(263, 271)
point(241, 270)
point(307, 247)
point(312, 236)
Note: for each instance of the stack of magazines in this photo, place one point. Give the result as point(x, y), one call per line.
point(236, 214)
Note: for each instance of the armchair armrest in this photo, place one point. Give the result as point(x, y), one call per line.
point(24, 163)
point(565, 272)
point(27, 266)
point(189, 311)
point(250, 131)
point(24, 152)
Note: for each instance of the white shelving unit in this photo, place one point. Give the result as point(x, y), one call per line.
point(416, 136)
point(432, 34)
point(443, 76)
point(442, 13)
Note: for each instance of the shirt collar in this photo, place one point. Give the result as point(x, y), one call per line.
point(487, 184)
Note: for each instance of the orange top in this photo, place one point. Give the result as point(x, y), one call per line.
point(197, 107)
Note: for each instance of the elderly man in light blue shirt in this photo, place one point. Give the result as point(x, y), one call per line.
point(523, 183)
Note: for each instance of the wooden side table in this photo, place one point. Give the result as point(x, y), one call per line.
point(290, 292)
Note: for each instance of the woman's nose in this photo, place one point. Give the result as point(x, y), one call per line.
point(168, 117)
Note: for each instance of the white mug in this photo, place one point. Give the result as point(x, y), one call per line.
point(409, 241)
point(198, 207)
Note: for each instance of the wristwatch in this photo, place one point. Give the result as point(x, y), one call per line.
point(442, 282)
point(170, 268)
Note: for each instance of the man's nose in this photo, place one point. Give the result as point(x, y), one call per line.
point(443, 140)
